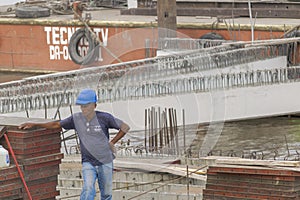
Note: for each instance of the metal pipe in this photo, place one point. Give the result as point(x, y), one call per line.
point(18, 167)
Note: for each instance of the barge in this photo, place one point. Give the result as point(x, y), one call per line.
point(42, 43)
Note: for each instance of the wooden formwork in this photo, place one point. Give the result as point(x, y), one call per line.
point(252, 182)
point(38, 154)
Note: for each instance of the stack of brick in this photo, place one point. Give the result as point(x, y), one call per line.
point(10, 183)
point(38, 153)
point(252, 182)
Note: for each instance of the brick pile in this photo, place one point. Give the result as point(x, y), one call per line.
point(252, 182)
point(38, 154)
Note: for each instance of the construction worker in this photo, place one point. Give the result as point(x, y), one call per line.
point(97, 151)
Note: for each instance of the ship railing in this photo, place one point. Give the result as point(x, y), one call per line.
point(181, 85)
point(148, 77)
point(149, 88)
point(147, 69)
point(188, 43)
point(185, 62)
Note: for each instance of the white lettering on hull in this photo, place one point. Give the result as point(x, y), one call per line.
point(58, 38)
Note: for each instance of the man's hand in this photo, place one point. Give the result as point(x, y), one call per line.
point(112, 147)
point(26, 125)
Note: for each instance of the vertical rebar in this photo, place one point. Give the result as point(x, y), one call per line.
point(145, 139)
point(183, 129)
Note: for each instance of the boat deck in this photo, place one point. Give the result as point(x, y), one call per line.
point(111, 16)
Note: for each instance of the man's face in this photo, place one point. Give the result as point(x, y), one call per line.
point(88, 109)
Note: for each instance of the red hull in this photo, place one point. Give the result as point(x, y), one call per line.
point(42, 44)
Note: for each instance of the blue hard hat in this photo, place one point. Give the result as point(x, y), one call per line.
point(86, 96)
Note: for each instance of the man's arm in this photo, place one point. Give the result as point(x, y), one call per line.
point(47, 125)
point(123, 130)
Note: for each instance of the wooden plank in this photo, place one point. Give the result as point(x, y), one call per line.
point(37, 138)
point(288, 181)
point(43, 159)
point(244, 195)
point(10, 187)
point(32, 151)
point(2, 131)
point(22, 157)
point(30, 133)
point(42, 174)
point(251, 162)
point(36, 143)
point(49, 195)
point(150, 166)
point(253, 190)
point(11, 195)
point(7, 171)
point(250, 182)
point(217, 197)
point(236, 169)
point(39, 165)
point(40, 181)
point(263, 186)
point(45, 187)
point(269, 163)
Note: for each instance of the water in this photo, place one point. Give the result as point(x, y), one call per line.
point(275, 138)
point(270, 138)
